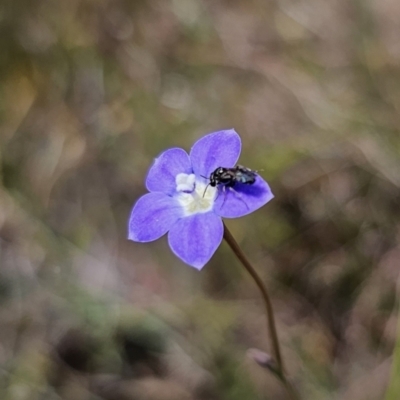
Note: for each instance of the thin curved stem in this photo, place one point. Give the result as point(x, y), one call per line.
point(278, 369)
point(268, 305)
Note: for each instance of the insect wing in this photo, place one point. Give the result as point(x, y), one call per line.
point(245, 175)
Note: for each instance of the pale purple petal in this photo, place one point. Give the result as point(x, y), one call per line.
point(242, 199)
point(153, 216)
point(196, 238)
point(218, 149)
point(170, 163)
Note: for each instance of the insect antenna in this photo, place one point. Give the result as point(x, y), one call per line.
point(205, 190)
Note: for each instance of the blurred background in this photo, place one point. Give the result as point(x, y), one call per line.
point(91, 91)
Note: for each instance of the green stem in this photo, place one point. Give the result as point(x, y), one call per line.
point(278, 369)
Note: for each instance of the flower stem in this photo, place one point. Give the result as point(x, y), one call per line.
point(278, 367)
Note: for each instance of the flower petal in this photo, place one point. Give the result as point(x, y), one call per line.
point(242, 199)
point(218, 149)
point(153, 216)
point(194, 239)
point(162, 174)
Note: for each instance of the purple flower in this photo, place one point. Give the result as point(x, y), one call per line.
point(181, 203)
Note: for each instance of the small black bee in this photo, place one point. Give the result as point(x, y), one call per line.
point(228, 177)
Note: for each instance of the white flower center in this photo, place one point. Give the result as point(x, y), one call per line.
point(185, 182)
point(192, 194)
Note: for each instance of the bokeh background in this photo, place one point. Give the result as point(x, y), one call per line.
point(92, 90)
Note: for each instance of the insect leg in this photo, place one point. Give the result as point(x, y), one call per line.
point(224, 191)
point(238, 195)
